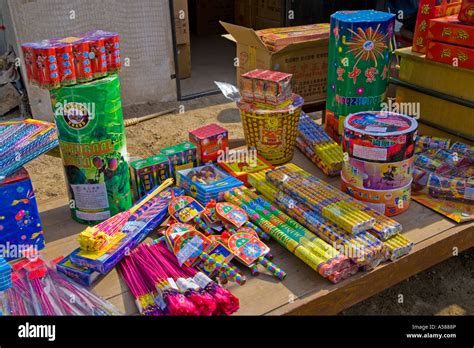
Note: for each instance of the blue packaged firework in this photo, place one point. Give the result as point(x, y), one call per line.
point(141, 223)
point(20, 224)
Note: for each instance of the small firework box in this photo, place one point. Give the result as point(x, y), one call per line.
point(148, 173)
point(82, 275)
point(140, 224)
point(278, 38)
point(65, 61)
point(181, 156)
point(206, 183)
point(451, 30)
point(266, 86)
point(455, 55)
point(210, 140)
point(466, 13)
point(427, 10)
point(239, 165)
point(20, 224)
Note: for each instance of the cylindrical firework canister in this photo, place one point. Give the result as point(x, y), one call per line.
point(65, 58)
point(379, 136)
point(47, 72)
point(92, 142)
point(30, 63)
point(112, 49)
point(358, 65)
point(97, 56)
point(82, 63)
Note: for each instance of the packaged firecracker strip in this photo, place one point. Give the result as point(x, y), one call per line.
point(358, 65)
point(266, 86)
point(362, 249)
point(459, 56)
point(466, 13)
point(81, 275)
point(278, 38)
point(313, 251)
point(22, 141)
point(327, 154)
point(427, 10)
point(20, 223)
point(206, 183)
point(379, 136)
point(211, 141)
point(137, 227)
point(398, 246)
point(384, 226)
point(240, 164)
point(65, 61)
point(181, 156)
point(427, 142)
point(148, 173)
point(451, 30)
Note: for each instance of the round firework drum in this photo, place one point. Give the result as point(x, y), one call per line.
point(82, 63)
point(30, 64)
point(379, 136)
point(97, 57)
point(65, 57)
point(47, 72)
point(358, 65)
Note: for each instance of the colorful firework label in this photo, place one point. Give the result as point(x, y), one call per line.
point(358, 64)
point(247, 247)
point(92, 142)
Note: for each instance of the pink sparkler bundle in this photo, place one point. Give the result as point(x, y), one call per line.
point(162, 287)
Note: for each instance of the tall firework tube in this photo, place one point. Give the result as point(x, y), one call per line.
point(358, 65)
point(93, 149)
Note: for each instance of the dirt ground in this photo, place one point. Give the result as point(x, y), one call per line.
point(446, 289)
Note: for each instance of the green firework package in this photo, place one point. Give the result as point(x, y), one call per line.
point(358, 65)
point(93, 148)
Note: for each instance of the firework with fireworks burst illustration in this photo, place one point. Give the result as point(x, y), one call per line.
point(358, 64)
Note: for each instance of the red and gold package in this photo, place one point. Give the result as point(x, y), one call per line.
point(462, 57)
point(466, 13)
point(451, 30)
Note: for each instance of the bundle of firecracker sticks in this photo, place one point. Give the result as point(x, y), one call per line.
point(319, 147)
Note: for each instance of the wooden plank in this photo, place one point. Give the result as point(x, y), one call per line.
point(303, 291)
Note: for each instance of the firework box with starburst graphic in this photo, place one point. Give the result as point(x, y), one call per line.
point(305, 59)
point(20, 224)
point(358, 65)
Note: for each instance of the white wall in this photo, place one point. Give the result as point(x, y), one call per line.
point(145, 35)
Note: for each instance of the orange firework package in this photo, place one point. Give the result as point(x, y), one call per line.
point(466, 13)
point(429, 9)
point(266, 86)
point(241, 163)
point(442, 52)
point(451, 30)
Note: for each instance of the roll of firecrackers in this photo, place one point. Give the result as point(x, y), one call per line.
point(317, 254)
point(318, 146)
point(397, 246)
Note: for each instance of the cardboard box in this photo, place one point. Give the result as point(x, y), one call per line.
point(148, 173)
point(460, 56)
point(181, 156)
point(245, 13)
point(211, 141)
point(264, 23)
point(307, 61)
point(269, 9)
point(184, 61)
point(466, 13)
point(451, 30)
point(181, 21)
point(210, 12)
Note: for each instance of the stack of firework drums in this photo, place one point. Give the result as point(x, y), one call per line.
point(378, 166)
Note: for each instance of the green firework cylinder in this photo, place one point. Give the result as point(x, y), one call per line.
point(92, 142)
point(358, 65)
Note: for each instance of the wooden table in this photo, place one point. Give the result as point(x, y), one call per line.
point(303, 292)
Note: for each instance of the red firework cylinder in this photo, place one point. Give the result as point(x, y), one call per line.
point(97, 56)
point(47, 73)
point(65, 57)
point(30, 64)
point(112, 50)
point(82, 63)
